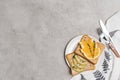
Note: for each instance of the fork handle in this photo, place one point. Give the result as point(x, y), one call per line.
point(114, 50)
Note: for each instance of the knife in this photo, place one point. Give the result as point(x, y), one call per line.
point(109, 39)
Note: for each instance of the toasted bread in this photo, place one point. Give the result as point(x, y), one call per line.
point(88, 66)
point(78, 50)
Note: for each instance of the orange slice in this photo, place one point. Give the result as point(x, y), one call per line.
point(89, 47)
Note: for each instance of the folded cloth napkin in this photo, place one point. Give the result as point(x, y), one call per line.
point(113, 26)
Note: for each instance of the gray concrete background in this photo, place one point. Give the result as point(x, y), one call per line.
point(34, 33)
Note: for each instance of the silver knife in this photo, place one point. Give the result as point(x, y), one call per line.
point(109, 39)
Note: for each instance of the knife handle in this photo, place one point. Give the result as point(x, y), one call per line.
point(114, 50)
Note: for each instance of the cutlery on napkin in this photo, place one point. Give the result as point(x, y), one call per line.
point(113, 26)
point(108, 39)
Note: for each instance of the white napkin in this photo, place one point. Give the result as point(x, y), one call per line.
point(114, 24)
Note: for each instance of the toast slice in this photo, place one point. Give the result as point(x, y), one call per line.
point(78, 50)
point(84, 65)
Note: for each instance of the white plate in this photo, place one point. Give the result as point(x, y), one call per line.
point(103, 66)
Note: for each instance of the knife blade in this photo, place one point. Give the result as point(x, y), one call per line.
point(109, 39)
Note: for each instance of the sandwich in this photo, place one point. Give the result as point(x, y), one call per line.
point(78, 64)
point(89, 49)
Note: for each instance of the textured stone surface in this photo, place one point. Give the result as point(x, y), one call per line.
point(34, 33)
